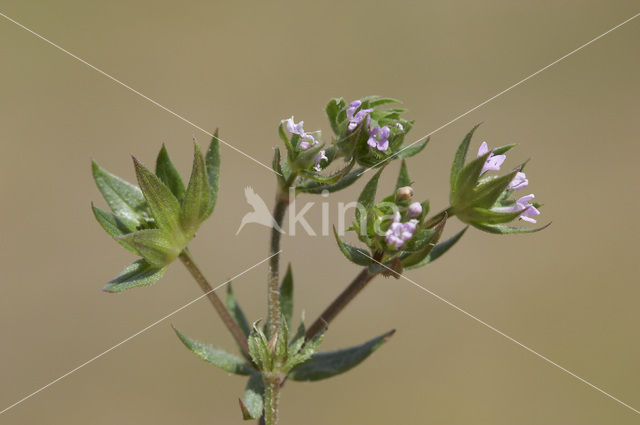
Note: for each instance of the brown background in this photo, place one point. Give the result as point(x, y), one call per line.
point(570, 292)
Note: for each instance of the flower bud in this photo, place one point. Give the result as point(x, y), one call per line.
point(404, 193)
point(415, 210)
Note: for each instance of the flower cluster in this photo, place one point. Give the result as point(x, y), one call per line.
point(378, 136)
point(399, 232)
point(306, 141)
point(520, 181)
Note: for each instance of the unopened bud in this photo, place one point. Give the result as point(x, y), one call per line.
point(404, 193)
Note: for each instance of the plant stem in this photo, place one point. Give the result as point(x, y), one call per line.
point(273, 296)
point(236, 332)
point(350, 292)
point(271, 401)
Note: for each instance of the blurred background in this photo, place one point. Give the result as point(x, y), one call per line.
point(569, 292)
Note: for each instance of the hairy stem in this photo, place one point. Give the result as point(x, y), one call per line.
point(236, 332)
point(271, 401)
point(273, 296)
point(350, 292)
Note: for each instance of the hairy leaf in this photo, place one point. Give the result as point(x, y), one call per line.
point(139, 273)
point(196, 200)
point(167, 173)
point(212, 164)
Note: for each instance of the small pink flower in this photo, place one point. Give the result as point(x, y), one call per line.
point(493, 162)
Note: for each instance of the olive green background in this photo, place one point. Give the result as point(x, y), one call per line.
point(570, 292)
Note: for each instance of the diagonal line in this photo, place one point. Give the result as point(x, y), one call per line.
point(480, 105)
point(499, 332)
point(114, 79)
point(135, 335)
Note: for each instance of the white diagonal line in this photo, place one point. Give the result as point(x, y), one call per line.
point(114, 79)
point(499, 332)
point(505, 90)
point(135, 335)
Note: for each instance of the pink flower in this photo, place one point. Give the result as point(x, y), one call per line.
point(523, 204)
point(493, 162)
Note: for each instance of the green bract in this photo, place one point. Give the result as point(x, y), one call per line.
point(157, 219)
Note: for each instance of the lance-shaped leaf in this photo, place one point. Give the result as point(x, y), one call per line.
point(333, 108)
point(154, 245)
point(412, 149)
point(467, 180)
point(113, 226)
point(196, 200)
point(167, 173)
point(124, 199)
point(460, 157)
point(437, 251)
point(354, 254)
point(212, 164)
point(236, 312)
point(488, 193)
point(422, 239)
point(164, 207)
point(501, 229)
point(484, 216)
point(328, 180)
point(325, 365)
point(139, 273)
point(305, 159)
point(287, 143)
point(286, 296)
point(368, 195)
point(277, 168)
point(259, 348)
point(426, 246)
point(346, 181)
point(403, 176)
point(219, 358)
point(377, 101)
point(252, 403)
point(305, 353)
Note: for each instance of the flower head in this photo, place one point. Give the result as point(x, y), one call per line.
point(493, 162)
point(354, 117)
point(399, 232)
point(306, 139)
point(378, 138)
point(523, 204)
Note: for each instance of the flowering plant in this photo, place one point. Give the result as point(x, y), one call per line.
point(158, 218)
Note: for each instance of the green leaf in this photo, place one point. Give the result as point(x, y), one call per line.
point(154, 245)
point(413, 149)
point(113, 226)
point(354, 254)
point(167, 173)
point(316, 188)
point(252, 402)
point(368, 195)
point(503, 149)
point(332, 109)
point(139, 273)
point(304, 353)
point(438, 250)
point(326, 365)
point(486, 194)
point(467, 181)
point(298, 339)
point(259, 348)
point(277, 168)
point(421, 239)
point(124, 199)
point(328, 180)
point(196, 200)
point(286, 296)
point(164, 207)
point(381, 101)
point(460, 157)
point(501, 229)
point(403, 176)
point(212, 164)
point(219, 358)
point(427, 245)
point(485, 216)
point(287, 143)
point(236, 312)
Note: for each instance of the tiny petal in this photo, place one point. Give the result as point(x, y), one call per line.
point(525, 199)
point(396, 217)
point(399, 126)
point(415, 210)
point(484, 148)
point(519, 181)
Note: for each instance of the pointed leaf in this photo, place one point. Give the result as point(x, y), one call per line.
point(438, 250)
point(501, 229)
point(484, 216)
point(196, 200)
point(488, 193)
point(139, 273)
point(467, 180)
point(252, 402)
point(164, 207)
point(167, 173)
point(258, 348)
point(332, 109)
point(413, 150)
point(219, 358)
point(236, 312)
point(368, 195)
point(124, 199)
point(113, 226)
point(460, 157)
point(346, 181)
point(354, 254)
point(501, 150)
point(212, 164)
point(154, 245)
point(403, 176)
point(287, 142)
point(286, 296)
point(326, 365)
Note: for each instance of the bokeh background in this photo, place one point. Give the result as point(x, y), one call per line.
point(569, 292)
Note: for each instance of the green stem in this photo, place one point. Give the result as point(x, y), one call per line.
point(236, 332)
point(273, 296)
point(271, 401)
point(355, 287)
